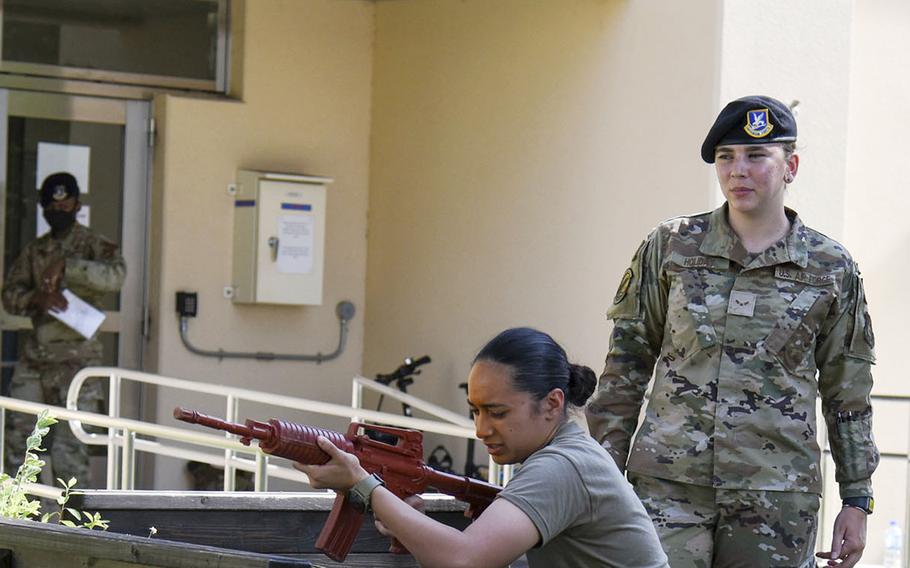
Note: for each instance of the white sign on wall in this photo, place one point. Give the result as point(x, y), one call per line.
point(70, 158)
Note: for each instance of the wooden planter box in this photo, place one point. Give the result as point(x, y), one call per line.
point(30, 544)
point(282, 523)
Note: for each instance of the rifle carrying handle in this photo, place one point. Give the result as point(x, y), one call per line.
point(337, 536)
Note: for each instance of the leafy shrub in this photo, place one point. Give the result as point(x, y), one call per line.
point(14, 501)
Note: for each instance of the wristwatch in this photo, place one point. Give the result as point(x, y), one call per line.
point(359, 494)
point(864, 504)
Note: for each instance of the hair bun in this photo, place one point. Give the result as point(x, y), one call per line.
point(582, 382)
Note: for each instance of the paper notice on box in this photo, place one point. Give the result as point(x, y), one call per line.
point(80, 315)
point(295, 244)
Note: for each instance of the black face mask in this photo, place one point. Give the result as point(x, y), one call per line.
point(59, 221)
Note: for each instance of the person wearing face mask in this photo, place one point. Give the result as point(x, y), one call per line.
point(74, 257)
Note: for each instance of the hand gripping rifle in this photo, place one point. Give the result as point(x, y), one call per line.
point(400, 465)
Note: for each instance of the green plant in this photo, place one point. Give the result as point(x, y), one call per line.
point(14, 501)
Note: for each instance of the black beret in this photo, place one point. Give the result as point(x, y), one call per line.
point(750, 120)
point(57, 187)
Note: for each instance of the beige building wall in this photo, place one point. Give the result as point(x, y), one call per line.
point(507, 157)
point(305, 108)
point(838, 59)
point(877, 206)
point(797, 51)
point(520, 153)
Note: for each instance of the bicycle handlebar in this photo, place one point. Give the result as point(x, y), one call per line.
point(408, 368)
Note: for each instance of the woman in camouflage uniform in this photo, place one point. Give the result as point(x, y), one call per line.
point(744, 316)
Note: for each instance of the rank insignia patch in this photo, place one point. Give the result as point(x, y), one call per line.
point(741, 304)
point(757, 125)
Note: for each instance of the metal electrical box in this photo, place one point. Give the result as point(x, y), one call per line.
point(279, 238)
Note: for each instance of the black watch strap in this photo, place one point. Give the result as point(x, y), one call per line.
point(359, 495)
point(865, 504)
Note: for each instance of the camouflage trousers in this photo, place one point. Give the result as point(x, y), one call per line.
point(48, 383)
point(704, 527)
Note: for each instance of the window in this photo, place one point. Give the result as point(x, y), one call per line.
point(165, 43)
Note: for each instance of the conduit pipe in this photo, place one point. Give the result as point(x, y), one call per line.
point(344, 310)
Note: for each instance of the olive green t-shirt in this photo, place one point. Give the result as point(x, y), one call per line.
point(584, 509)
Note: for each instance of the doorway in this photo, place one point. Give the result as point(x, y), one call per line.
point(105, 143)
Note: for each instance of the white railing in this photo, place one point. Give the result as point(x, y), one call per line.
point(124, 436)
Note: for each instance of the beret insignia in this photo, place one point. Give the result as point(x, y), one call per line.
point(757, 123)
point(60, 193)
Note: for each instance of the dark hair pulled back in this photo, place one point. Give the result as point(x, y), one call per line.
point(538, 364)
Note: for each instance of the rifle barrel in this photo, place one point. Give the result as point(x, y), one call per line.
point(194, 417)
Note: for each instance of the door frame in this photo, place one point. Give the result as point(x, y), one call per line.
point(130, 322)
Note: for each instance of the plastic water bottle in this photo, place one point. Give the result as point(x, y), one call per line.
point(894, 546)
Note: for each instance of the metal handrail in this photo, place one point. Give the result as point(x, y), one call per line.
point(128, 429)
point(122, 441)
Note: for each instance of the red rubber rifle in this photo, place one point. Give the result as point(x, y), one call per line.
point(399, 464)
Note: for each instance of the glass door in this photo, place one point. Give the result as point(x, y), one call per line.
point(105, 143)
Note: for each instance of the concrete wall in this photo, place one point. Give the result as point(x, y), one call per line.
point(829, 57)
point(520, 152)
point(876, 211)
point(519, 156)
point(838, 60)
point(797, 51)
point(512, 155)
point(305, 109)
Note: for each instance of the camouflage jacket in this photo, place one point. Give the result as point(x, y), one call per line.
point(739, 347)
point(93, 266)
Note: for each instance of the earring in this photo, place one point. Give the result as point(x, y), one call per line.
point(788, 178)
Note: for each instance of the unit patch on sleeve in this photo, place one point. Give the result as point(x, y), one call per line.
point(623, 286)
